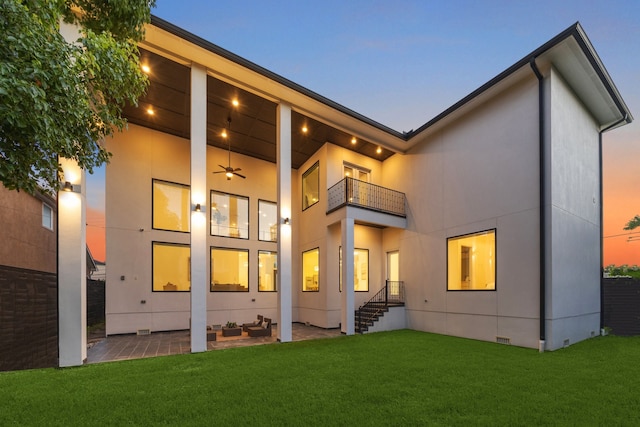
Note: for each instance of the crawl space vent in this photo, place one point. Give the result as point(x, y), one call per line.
point(503, 340)
point(144, 332)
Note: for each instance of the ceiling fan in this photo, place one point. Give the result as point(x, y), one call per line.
point(228, 170)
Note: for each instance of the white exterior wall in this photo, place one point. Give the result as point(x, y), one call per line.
point(140, 155)
point(316, 229)
point(573, 258)
point(480, 174)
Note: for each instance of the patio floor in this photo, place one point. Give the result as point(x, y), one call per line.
point(130, 346)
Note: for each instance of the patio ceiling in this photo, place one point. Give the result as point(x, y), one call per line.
point(253, 122)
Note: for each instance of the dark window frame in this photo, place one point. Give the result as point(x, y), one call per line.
point(495, 263)
point(224, 248)
point(153, 181)
point(248, 214)
point(308, 172)
point(185, 245)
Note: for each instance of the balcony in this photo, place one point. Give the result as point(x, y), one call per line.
point(352, 192)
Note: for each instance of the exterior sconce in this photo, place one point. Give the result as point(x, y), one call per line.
point(286, 221)
point(198, 208)
point(68, 187)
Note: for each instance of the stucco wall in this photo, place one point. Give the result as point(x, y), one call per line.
point(140, 155)
point(316, 230)
point(480, 174)
point(573, 282)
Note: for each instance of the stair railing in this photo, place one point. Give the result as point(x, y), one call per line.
point(391, 293)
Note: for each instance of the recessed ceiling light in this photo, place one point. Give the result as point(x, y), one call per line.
point(353, 140)
point(224, 133)
point(235, 102)
point(304, 129)
point(150, 111)
point(145, 68)
point(379, 150)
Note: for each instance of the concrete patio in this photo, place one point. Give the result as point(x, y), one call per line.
point(125, 347)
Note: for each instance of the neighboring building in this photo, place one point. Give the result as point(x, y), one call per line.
point(28, 286)
point(28, 231)
point(490, 214)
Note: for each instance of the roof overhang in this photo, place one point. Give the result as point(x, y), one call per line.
point(570, 53)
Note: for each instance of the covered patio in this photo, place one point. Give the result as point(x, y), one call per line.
point(130, 346)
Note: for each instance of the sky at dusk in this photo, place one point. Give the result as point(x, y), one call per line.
point(401, 63)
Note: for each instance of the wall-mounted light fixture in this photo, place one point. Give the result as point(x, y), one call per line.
point(198, 208)
point(286, 221)
point(68, 187)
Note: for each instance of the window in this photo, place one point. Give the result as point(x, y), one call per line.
point(229, 215)
point(471, 262)
point(360, 270)
point(47, 216)
point(267, 221)
point(311, 186)
point(171, 267)
point(229, 270)
point(356, 172)
point(171, 203)
point(267, 271)
point(310, 270)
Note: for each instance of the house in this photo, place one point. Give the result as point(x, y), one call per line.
point(235, 191)
point(28, 288)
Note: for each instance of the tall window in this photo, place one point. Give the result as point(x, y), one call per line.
point(267, 221)
point(311, 270)
point(360, 270)
point(471, 262)
point(171, 204)
point(267, 271)
point(311, 186)
point(47, 216)
point(229, 270)
point(171, 267)
point(229, 215)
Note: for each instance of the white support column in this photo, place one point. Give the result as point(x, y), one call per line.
point(198, 216)
point(72, 267)
point(348, 294)
point(285, 257)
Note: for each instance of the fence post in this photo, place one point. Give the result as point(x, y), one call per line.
point(386, 292)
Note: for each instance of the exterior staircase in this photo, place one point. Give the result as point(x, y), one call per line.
point(391, 295)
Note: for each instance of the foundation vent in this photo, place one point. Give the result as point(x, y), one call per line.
point(143, 332)
point(566, 343)
point(503, 340)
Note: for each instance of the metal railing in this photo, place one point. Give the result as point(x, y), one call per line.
point(362, 194)
point(391, 293)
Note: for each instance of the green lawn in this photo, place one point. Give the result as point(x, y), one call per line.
point(390, 378)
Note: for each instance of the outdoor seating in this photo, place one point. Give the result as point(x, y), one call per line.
point(263, 330)
point(257, 322)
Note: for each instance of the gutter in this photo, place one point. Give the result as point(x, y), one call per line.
point(542, 183)
point(627, 119)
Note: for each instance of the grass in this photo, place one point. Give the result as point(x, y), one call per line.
point(389, 378)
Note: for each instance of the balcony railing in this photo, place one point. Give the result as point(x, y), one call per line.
point(352, 192)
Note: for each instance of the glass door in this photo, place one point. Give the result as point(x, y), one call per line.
point(393, 274)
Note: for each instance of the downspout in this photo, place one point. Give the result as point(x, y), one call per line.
point(623, 119)
point(542, 183)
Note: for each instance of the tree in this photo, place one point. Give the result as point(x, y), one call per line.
point(61, 99)
point(633, 223)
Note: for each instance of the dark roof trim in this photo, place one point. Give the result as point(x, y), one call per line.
point(198, 41)
point(574, 31)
